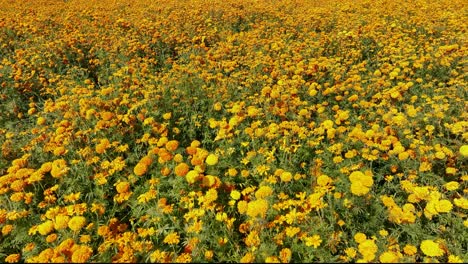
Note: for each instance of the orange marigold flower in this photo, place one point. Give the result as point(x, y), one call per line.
point(140, 169)
point(13, 258)
point(172, 145)
point(147, 160)
point(122, 187)
point(181, 169)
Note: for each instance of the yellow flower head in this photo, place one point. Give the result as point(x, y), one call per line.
point(389, 257)
point(464, 150)
point(211, 160)
point(76, 223)
point(82, 254)
point(431, 248)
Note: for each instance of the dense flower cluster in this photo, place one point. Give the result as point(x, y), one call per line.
point(233, 131)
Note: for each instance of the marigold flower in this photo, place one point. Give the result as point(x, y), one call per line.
point(59, 168)
point(357, 188)
point(172, 145)
point(82, 254)
point(452, 186)
point(13, 258)
point(45, 228)
point(172, 238)
point(192, 176)
point(257, 208)
point(464, 150)
point(454, 259)
point(77, 222)
point(146, 160)
point(181, 169)
point(140, 169)
point(247, 258)
point(431, 248)
point(122, 187)
point(263, 192)
point(360, 237)
point(368, 248)
point(410, 250)
point(389, 257)
point(235, 195)
point(211, 160)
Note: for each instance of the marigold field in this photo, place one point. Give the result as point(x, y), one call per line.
point(233, 131)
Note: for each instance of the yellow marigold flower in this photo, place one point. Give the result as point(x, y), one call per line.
point(461, 202)
point(122, 187)
point(272, 259)
point(443, 206)
point(247, 258)
point(357, 188)
point(454, 259)
point(181, 169)
point(389, 257)
point(257, 207)
point(286, 176)
point(464, 150)
point(45, 228)
point(178, 158)
point(192, 176)
point(167, 116)
point(383, 233)
point(452, 186)
point(368, 248)
point(184, 258)
point(13, 258)
point(77, 222)
point(235, 195)
point(351, 252)
point(356, 176)
point(60, 150)
point(252, 239)
point(324, 180)
point(263, 192)
point(242, 207)
point(172, 238)
point(61, 221)
point(82, 254)
point(59, 168)
point(450, 170)
point(360, 237)
point(410, 250)
point(292, 231)
point(313, 241)
point(46, 167)
point(140, 169)
point(211, 160)
point(431, 248)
